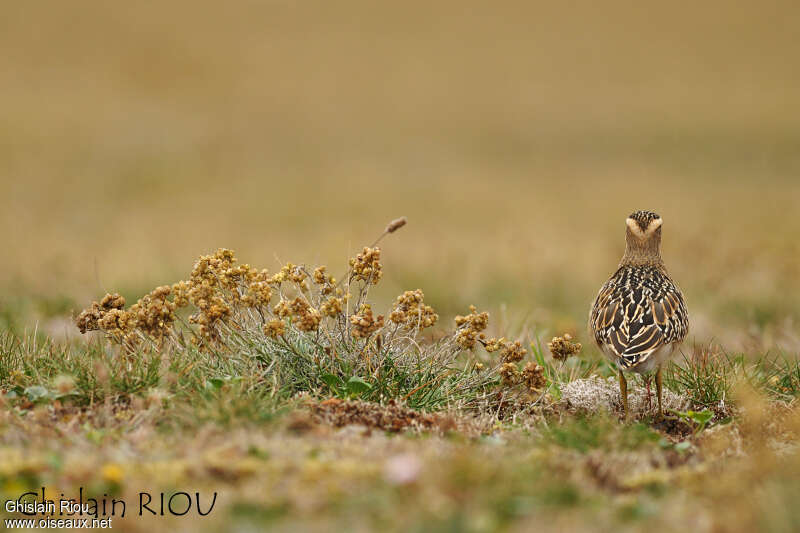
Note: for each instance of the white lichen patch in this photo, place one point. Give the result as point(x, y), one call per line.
point(595, 394)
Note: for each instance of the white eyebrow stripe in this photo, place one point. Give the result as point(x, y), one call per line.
point(637, 230)
point(634, 227)
point(654, 225)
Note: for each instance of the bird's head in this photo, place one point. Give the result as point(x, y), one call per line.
point(643, 237)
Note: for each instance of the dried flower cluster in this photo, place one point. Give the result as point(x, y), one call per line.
point(364, 322)
point(303, 316)
point(533, 376)
point(225, 296)
point(470, 328)
point(519, 387)
point(305, 313)
point(215, 284)
point(89, 319)
point(275, 328)
point(509, 374)
point(510, 352)
point(332, 307)
point(563, 347)
point(366, 266)
point(153, 315)
point(409, 310)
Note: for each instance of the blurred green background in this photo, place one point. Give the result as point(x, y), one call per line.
point(516, 137)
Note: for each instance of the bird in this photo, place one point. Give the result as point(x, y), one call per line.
point(639, 318)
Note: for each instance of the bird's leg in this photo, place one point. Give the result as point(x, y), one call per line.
point(647, 386)
point(623, 391)
point(658, 391)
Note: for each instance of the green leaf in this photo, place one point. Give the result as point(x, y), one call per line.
point(683, 446)
point(36, 392)
point(66, 395)
point(538, 354)
point(216, 383)
point(356, 385)
point(701, 417)
point(333, 381)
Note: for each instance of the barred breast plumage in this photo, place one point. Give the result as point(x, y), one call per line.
point(638, 311)
point(639, 316)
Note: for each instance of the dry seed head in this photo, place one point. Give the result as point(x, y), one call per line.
point(367, 266)
point(562, 347)
point(282, 309)
point(509, 373)
point(533, 376)
point(180, 293)
point(470, 327)
point(90, 319)
point(396, 224)
point(297, 275)
point(153, 314)
point(493, 344)
point(259, 293)
point(331, 307)
point(112, 301)
point(409, 310)
point(512, 352)
point(319, 275)
point(305, 317)
point(275, 328)
point(116, 322)
point(365, 323)
point(277, 279)
point(325, 281)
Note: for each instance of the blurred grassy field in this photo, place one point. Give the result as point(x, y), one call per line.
point(516, 137)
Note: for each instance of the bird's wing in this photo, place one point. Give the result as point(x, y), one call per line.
point(636, 313)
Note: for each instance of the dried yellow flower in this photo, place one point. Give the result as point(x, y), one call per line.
point(365, 323)
point(283, 309)
point(319, 275)
point(89, 319)
point(509, 374)
point(366, 266)
point(112, 301)
point(259, 293)
point(304, 317)
point(533, 376)
point(409, 310)
point(494, 344)
point(470, 326)
point(512, 353)
point(331, 307)
point(153, 314)
point(275, 328)
point(563, 347)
